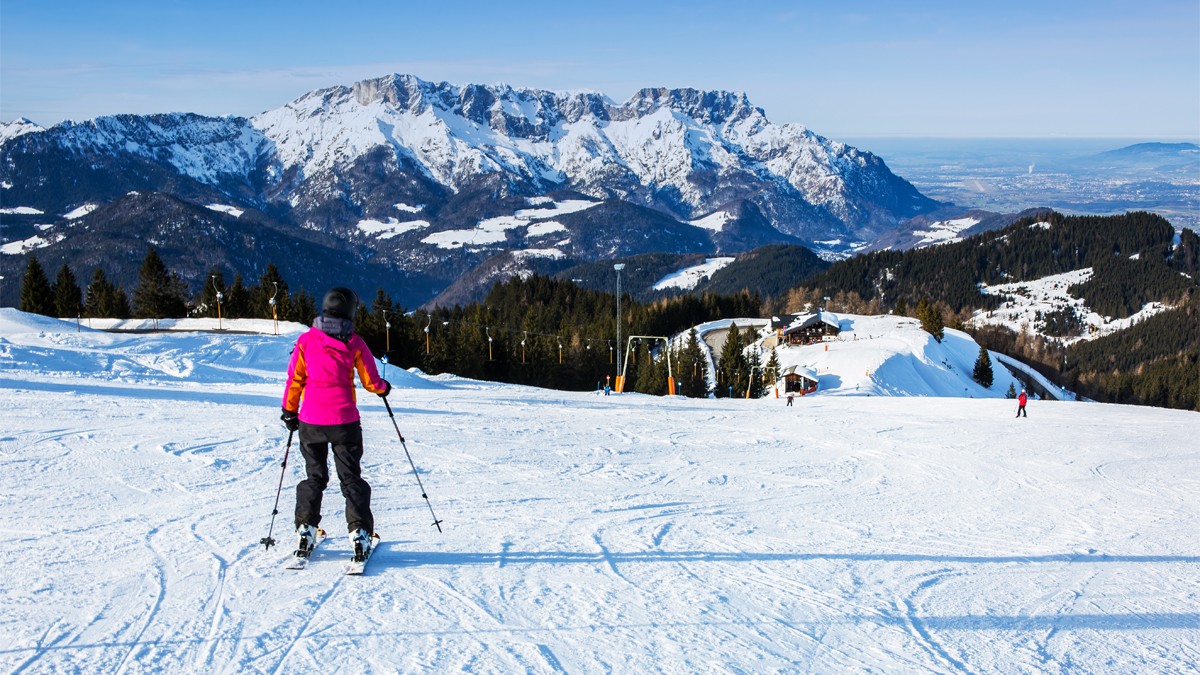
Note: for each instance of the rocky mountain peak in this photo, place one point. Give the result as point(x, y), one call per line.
point(710, 107)
point(435, 176)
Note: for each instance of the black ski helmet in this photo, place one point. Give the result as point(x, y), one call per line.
point(339, 303)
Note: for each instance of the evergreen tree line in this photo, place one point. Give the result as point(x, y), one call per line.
point(1156, 362)
point(552, 333)
point(161, 294)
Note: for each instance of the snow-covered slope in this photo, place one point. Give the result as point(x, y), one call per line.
point(880, 356)
point(893, 356)
point(582, 533)
point(1030, 301)
point(690, 277)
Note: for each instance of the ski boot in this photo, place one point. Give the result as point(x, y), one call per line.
point(307, 540)
point(360, 539)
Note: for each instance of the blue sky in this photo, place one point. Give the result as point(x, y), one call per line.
point(972, 69)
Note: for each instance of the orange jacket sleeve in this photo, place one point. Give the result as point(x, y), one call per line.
point(296, 378)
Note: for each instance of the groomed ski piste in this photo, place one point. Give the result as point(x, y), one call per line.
point(915, 529)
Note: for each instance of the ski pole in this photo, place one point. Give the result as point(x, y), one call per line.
point(267, 541)
point(437, 523)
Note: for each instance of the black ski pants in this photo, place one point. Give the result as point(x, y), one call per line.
point(346, 440)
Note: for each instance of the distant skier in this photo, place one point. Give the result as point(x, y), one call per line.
point(1021, 400)
point(791, 397)
point(319, 401)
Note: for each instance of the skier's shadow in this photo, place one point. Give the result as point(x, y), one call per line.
point(397, 554)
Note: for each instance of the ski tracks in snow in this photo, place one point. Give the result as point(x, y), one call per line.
point(594, 534)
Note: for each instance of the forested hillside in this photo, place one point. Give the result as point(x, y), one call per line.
point(1156, 362)
point(1135, 260)
point(1131, 252)
point(768, 270)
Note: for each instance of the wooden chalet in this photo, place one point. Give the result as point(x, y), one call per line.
point(799, 380)
point(806, 329)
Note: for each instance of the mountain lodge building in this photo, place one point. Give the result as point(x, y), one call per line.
point(806, 329)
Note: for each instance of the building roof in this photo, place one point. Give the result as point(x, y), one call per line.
point(794, 322)
point(801, 371)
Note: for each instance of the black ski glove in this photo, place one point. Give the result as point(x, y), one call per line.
point(387, 389)
point(290, 420)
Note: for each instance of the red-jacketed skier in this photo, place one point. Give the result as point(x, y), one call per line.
point(319, 401)
point(1021, 400)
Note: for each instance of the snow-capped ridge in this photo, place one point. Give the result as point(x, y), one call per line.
point(17, 127)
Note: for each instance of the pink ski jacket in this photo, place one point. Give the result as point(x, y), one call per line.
point(320, 379)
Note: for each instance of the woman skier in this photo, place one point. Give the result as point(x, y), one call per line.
point(319, 401)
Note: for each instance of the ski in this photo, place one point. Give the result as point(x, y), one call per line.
point(357, 567)
point(299, 562)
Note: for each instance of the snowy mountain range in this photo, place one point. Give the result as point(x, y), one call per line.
point(426, 180)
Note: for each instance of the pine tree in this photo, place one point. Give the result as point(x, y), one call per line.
point(937, 325)
point(159, 294)
point(117, 304)
point(372, 325)
point(693, 368)
point(983, 368)
point(104, 300)
point(37, 296)
point(68, 299)
point(1012, 392)
point(237, 299)
point(304, 308)
point(270, 299)
point(732, 369)
point(651, 375)
point(931, 319)
point(96, 294)
point(771, 374)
